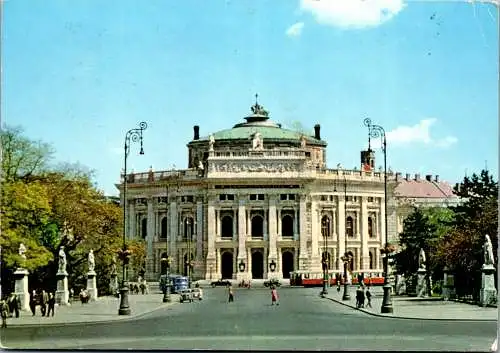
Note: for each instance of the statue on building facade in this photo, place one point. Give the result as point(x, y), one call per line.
point(91, 261)
point(62, 260)
point(488, 251)
point(421, 260)
point(257, 141)
point(303, 142)
point(211, 142)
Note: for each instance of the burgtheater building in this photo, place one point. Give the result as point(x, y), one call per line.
point(257, 201)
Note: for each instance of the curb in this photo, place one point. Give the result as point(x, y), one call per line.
point(108, 321)
point(389, 316)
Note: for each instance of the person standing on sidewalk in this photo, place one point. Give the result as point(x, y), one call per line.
point(368, 297)
point(44, 298)
point(51, 304)
point(33, 302)
point(4, 311)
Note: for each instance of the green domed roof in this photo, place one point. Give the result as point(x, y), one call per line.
point(259, 122)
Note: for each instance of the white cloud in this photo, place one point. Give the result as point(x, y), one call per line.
point(418, 133)
point(295, 30)
point(352, 13)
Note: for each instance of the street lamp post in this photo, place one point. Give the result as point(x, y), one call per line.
point(188, 258)
point(376, 131)
point(133, 135)
point(166, 293)
point(345, 259)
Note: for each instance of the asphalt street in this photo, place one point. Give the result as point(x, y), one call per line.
point(302, 321)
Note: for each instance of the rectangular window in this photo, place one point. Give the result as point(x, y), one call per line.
point(291, 197)
point(230, 197)
point(324, 198)
point(253, 197)
point(370, 199)
point(283, 197)
point(261, 197)
point(222, 197)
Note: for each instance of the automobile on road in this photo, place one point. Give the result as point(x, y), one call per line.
point(197, 293)
point(221, 282)
point(186, 295)
point(272, 282)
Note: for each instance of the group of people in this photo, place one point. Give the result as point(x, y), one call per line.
point(361, 294)
point(9, 307)
point(46, 300)
point(274, 295)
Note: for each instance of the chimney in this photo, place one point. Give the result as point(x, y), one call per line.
point(428, 177)
point(417, 177)
point(407, 177)
point(317, 134)
point(196, 129)
point(436, 178)
point(398, 176)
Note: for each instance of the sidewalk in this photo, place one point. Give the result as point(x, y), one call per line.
point(102, 310)
point(418, 308)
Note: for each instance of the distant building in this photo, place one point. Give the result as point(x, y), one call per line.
point(257, 201)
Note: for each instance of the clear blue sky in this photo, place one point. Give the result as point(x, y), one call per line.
point(78, 74)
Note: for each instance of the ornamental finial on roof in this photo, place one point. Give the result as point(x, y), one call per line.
point(258, 109)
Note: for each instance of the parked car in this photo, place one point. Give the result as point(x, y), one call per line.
point(197, 293)
point(272, 282)
point(186, 295)
point(221, 282)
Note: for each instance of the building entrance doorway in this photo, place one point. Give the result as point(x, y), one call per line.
point(257, 265)
point(287, 263)
point(227, 265)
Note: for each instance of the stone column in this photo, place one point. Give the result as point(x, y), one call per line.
point(174, 227)
point(273, 253)
point(382, 224)
point(211, 255)
point(249, 223)
point(149, 239)
point(21, 288)
point(488, 292)
point(241, 238)
point(365, 257)
point(217, 223)
point(295, 224)
point(92, 285)
point(131, 220)
point(198, 266)
point(303, 257)
point(278, 220)
point(62, 292)
point(315, 255)
point(341, 228)
point(265, 224)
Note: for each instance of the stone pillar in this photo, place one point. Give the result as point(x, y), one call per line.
point(448, 290)
point(273, 253)
point(241, 239)
point(151, 233)
point(265, 224)
point(198, 266)
point(295, 224)
point(365, 257)
point(174, 227)
point(62, 292)
point(21, 288)
point(303, 256)
point(132, 220)
point(421, 282)
point(278, 220)
point(382, 223)
point(92, 285)
point(488, 293)
point(315, 230)
point(341, 228)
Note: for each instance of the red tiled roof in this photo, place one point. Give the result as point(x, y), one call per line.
point(424, 189)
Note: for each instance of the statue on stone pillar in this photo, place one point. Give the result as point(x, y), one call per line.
point(421, 260)
point(211, 142)
point(113, 266)
point(22, 251)
point(488, 251)
point(62, 260)
point(91, 261)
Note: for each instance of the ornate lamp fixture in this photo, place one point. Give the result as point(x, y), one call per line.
point(242, 266)
point(272, 266)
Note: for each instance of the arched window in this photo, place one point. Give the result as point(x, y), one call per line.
point(164, 227)
point(144, 228)
point(287, 226)
point(370, 227)
point(325, 226)
point(257, 227)
point(188, 228)
point(351, 261)
point(227, 227)
point(349, 227)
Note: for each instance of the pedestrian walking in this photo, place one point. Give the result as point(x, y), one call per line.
point(4, 311)
point(44, 298)
point(230, 293)
point(274, 296)
point(33, 302)
point(51, 304)
point(360, 294)
point(17, 305)
point(368, 297)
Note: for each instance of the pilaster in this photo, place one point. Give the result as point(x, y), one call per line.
point(365, 257)
point(272, 230)
point(241, 230)
point(303, 256)
point(172, 247)
point(131, 220)
point(341, 227)
point(149, 239)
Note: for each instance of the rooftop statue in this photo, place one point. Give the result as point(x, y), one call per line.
point(488, 251)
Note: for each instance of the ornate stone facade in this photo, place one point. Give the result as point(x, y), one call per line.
point(257, 201)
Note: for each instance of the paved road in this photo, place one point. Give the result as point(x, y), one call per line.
point(303, 321)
